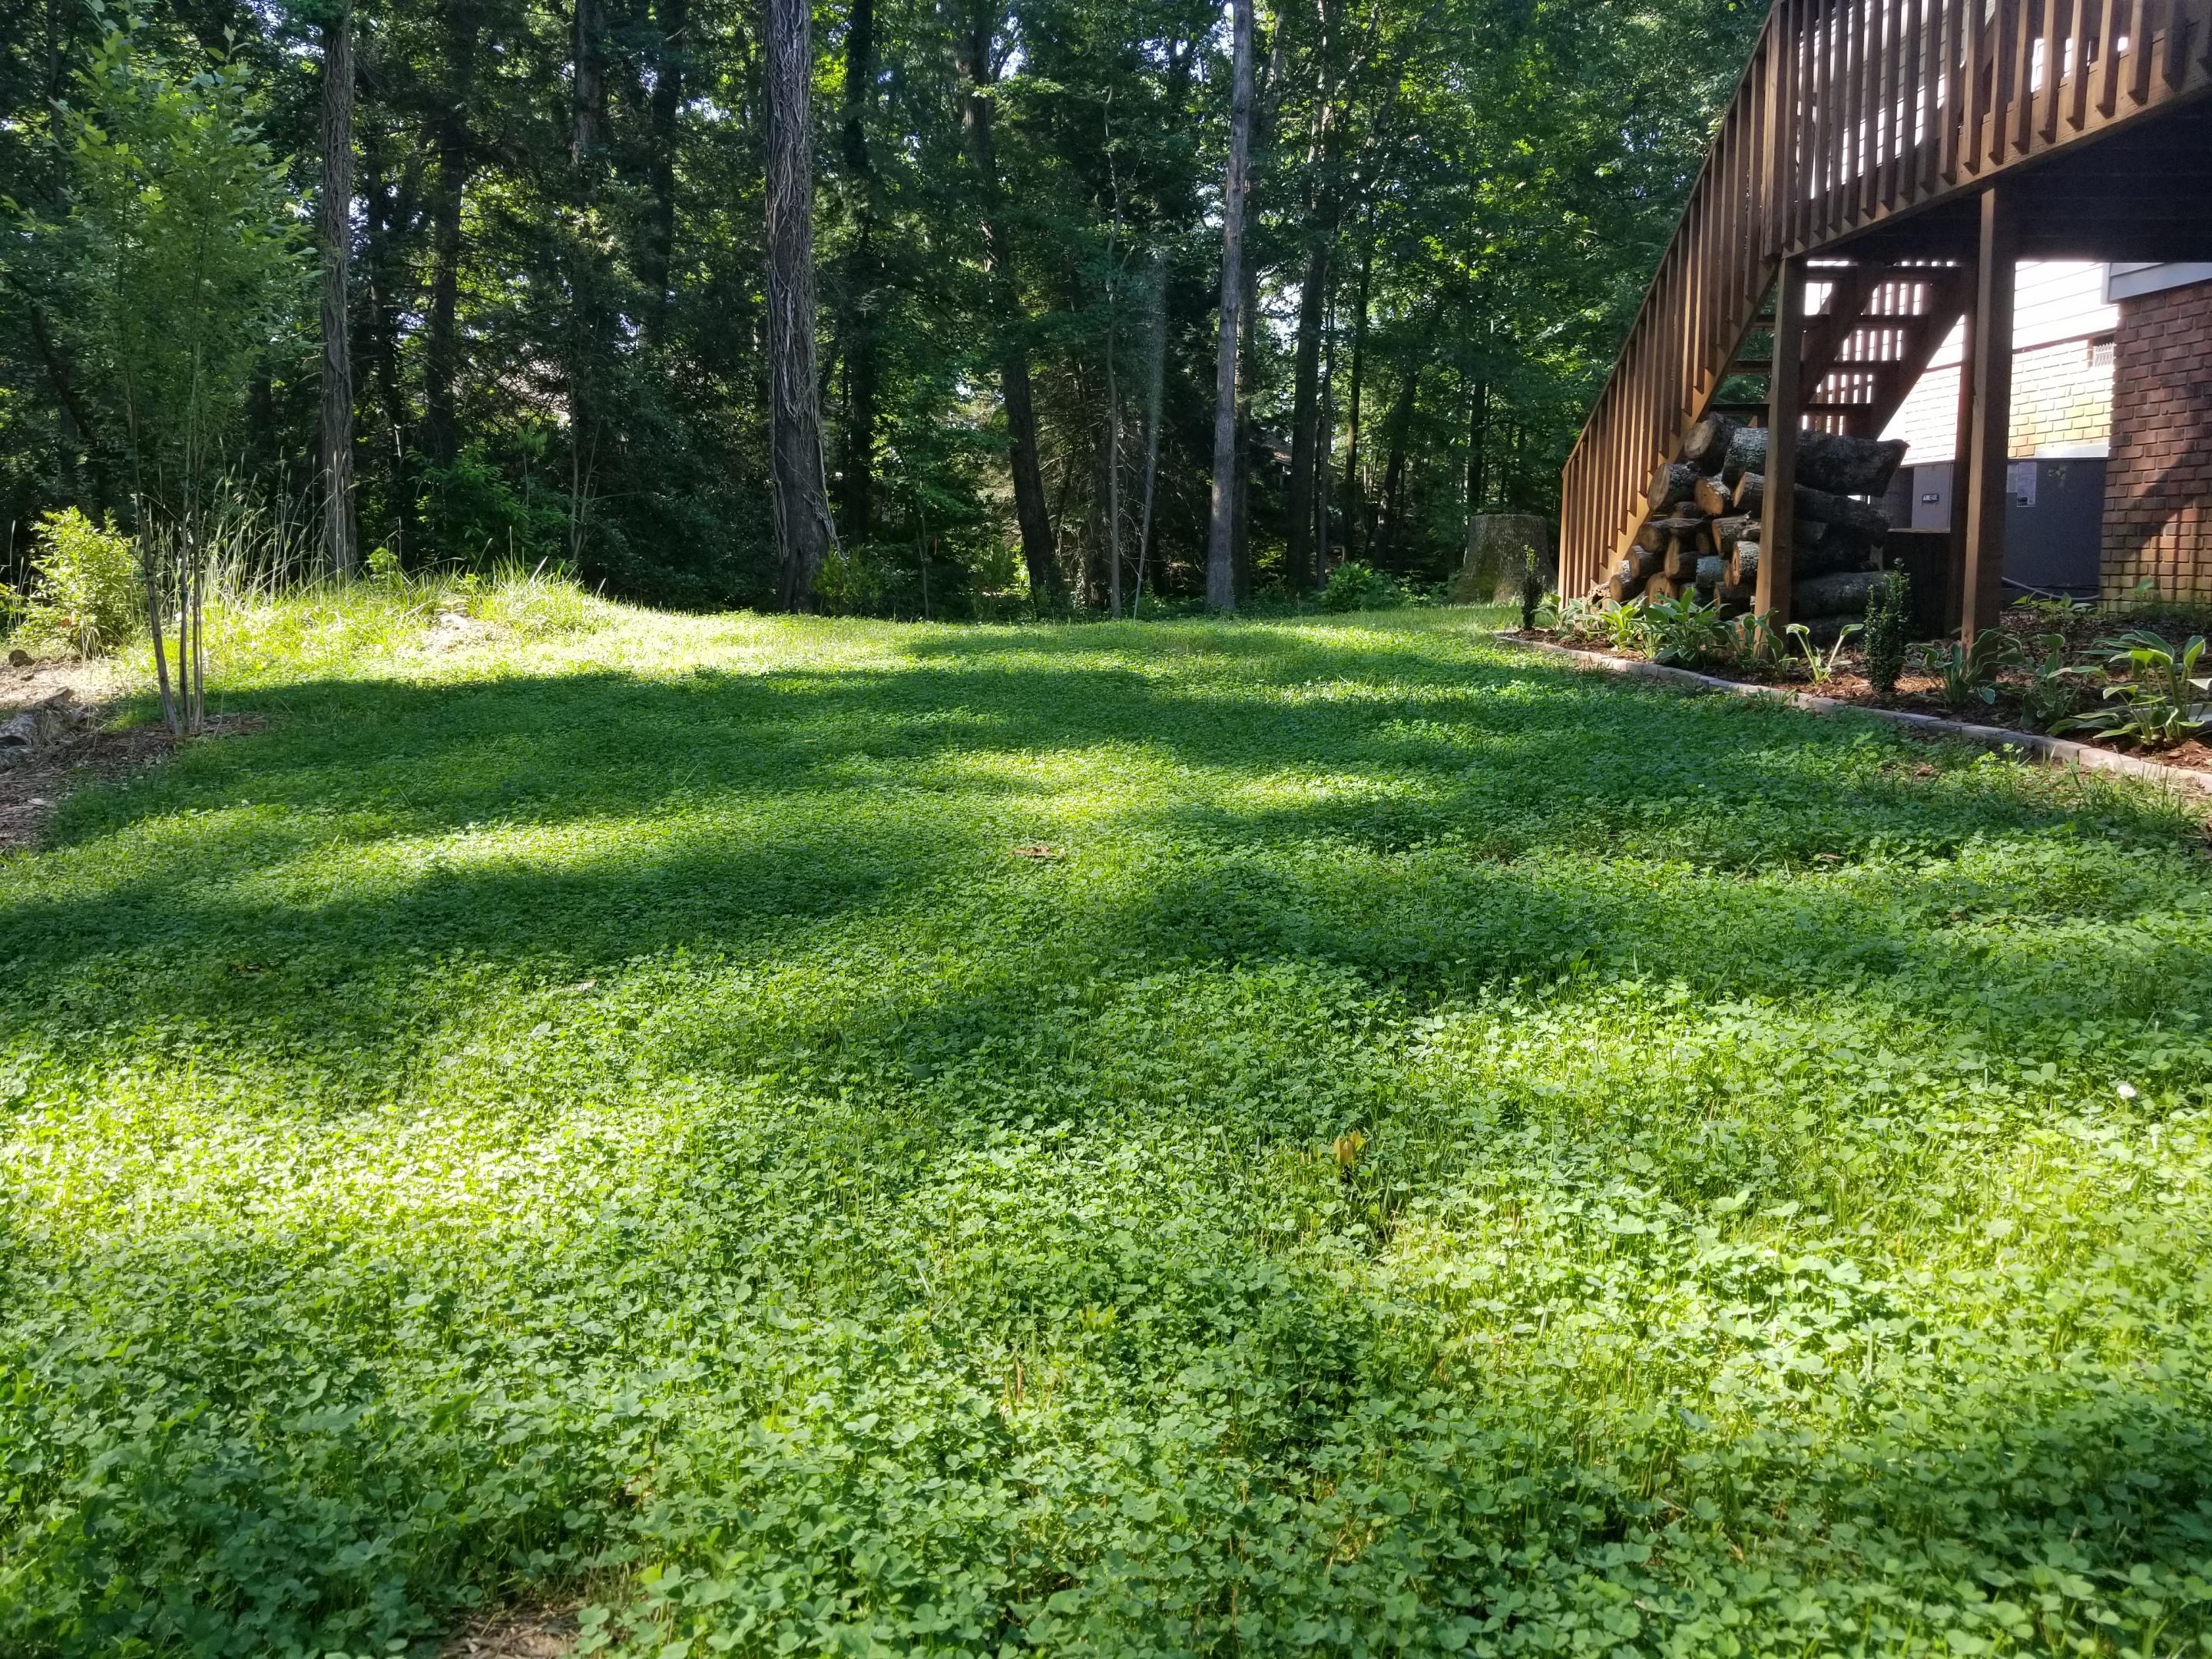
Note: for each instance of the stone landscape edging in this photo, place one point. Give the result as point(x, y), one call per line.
point(2052, 751)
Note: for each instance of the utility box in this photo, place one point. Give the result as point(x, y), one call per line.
point(2054, 519)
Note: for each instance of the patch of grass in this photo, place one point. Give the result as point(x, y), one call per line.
point(1169, 1138)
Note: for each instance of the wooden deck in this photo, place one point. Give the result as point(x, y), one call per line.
point(1881, 158)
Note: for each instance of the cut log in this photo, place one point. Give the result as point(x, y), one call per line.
point(1727, 532)
point(1674, 485)
point(1642, 562)
point(1826, 460)
point(1711, 497)
point(1746, 452)
point(1663, 587)
point(1712, 570)
point(1840, 512)
point(1846, 465)
point(1625, 583)
point(1843, 594)
point(1729, 595)
point(1653, 535)
point(1707, 446)
point(1743, 564)
point(1750, 493)
point(1681, 561)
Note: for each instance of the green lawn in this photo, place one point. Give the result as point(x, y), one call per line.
point(1440, 1153)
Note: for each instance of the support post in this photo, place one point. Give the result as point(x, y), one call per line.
point(1962, 450)
point(1777, 549)
point(1991, 369)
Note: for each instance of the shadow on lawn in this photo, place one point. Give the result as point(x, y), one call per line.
point(1376, 802)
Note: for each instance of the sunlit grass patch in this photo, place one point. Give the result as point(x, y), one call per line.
point(1161, 1138)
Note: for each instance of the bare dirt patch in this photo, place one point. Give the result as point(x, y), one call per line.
point(531, 1633)
point(55, 735)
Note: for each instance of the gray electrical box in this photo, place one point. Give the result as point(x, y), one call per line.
point(2054, 519)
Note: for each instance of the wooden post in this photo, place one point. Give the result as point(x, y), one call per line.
point(1990, 367)
point(1962, 449)
point(1786, 374)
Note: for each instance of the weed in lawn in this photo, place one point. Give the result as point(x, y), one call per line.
point(1451, 1154)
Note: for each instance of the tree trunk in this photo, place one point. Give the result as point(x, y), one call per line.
point(1305, 417)
point(856, 481)
point(334, 237)
point(588, 87)
point(1155, 381)
point(1327, 443)
point(798, 503)
point(385, 206)
point(973, 49)
point(1394, 472)
point(673, 19)
point(455, 146)
point(1353, 511)
point(1220, 536)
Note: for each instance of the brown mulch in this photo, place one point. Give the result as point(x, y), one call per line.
point(70, 704)
point(1916, 693)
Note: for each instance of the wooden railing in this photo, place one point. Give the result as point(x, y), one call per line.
point(1850, 112)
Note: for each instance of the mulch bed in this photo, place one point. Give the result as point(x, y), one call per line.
point(1916, 693)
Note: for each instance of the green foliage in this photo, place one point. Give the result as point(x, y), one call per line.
point(2055, 689)
point(1751, 640)
point(2162, 700)
point(1888, 632)
point(1357, 586)
point(1685, 633)
point(1820, 665)
point(1625, 629)
point(186, 251)
point(87, 594)
point(1142, 1139)
point(1969, 673)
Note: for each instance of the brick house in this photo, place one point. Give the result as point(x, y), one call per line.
point(2110, 455)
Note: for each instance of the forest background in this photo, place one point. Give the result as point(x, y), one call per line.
point(552, 310)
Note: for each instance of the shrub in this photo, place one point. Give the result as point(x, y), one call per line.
point(1889, 621)
point(87, 595)
point(1355, 585)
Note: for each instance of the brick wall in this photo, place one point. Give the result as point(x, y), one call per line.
point(2062, 370)
point(2158, 484)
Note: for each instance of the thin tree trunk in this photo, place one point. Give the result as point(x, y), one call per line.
point(973, 49)
point(1247, 430)
point(334, 236)
point(386, 205)
point(1113, 480)
point(1155, 381)
point(1306, 421)
point(673, 18)
point(588, 87)
point(1326, 446)
point(1394, 472)
point(857, 480)
point(1220, 536)
point(1478, 434)
point(1352, 507)
point(441, 347)
point(799, 503)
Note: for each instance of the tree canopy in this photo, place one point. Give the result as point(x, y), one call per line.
point(558, 268)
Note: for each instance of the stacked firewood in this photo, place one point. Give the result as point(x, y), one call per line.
point(1702, 534)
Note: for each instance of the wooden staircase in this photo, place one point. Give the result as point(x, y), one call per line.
point(1863, 138)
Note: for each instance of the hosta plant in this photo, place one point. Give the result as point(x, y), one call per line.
point(2161, 701)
